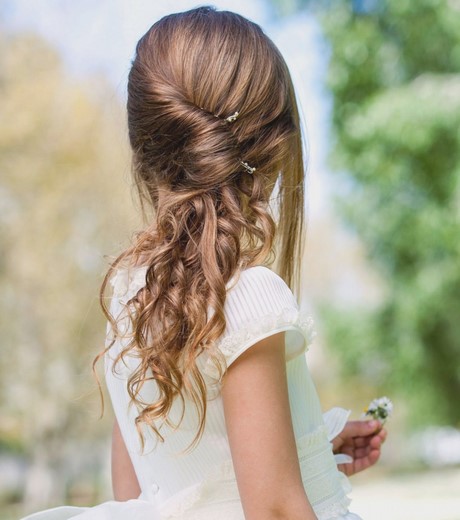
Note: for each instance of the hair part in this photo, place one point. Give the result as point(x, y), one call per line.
point(210, 217)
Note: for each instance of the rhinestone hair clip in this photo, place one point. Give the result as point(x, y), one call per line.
point(248, 168)
point(231, 119)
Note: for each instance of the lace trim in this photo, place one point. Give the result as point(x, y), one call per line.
point(288, 316)
point(176, 507)
point(335, 509)
point(126, 282)
point(287, 319)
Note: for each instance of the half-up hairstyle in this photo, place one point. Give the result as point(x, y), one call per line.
point(211, 216)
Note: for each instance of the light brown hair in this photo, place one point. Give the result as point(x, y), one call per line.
point(211, 217)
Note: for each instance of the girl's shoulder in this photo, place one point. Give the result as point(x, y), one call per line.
point(259, 304)
point(256, 284)
point(256, 278)
point(258, 291)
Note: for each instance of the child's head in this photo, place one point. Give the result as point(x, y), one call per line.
point(209, 99)
point(214, 130)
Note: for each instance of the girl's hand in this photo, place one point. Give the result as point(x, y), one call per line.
point(362, 440)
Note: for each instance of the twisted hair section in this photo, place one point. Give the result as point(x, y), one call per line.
point(211, 217)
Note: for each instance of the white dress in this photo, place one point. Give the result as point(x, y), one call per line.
point(201, 485)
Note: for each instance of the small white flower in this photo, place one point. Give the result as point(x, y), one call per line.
point(380, 408)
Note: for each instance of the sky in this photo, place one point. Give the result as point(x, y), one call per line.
point(100, 37)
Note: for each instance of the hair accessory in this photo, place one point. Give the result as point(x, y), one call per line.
point(232, 118)
point(248, 168)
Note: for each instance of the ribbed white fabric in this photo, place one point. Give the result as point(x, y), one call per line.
point(202, 485)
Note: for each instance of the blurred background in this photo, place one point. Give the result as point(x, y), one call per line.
point(379, 87)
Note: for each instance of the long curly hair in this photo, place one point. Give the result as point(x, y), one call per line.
point(211, 215)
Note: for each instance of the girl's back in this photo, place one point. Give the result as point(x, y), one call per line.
point(202, 484)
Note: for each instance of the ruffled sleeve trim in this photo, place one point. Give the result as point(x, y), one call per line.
point(259, 305)
point(297, 324)
point(127, 282)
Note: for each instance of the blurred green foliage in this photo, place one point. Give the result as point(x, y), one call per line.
point(394, 76)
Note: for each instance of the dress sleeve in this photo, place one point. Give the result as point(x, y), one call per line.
point(259, 305)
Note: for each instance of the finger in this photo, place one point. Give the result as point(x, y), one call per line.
point(371, 440)
point(375, 442)
point(362, 463)
point(337, 443)
point(360, 442)
point(360, 453)
point(373, 457)
point(374, 445)
point(360, 428)
point(349, 450)
point(346, 468)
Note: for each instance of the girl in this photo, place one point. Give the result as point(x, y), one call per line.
point(216, 414)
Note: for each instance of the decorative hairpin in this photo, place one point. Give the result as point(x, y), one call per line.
point(232, 118)
point(248, 168)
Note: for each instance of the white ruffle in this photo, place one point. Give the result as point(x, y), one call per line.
point(127, 282)
point(134, 509)
point(289, 318)
point(335, 420)
point(214, 486)
point(328, 487)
